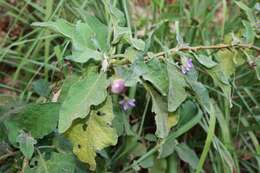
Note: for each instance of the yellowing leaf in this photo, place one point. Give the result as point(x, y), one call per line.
point(173, 119)
point(93, 135)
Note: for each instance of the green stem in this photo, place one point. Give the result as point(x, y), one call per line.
point(144, 114)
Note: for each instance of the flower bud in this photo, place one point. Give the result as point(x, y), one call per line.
point(118, 86)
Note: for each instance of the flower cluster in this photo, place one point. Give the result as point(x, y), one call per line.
point(118, 87)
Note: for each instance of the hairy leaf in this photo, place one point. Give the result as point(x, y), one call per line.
point(160, 109)
point(89, 91)
point(177, 84)
point(37, 119)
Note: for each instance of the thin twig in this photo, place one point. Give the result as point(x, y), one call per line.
point(5, 156)
point(219, 46)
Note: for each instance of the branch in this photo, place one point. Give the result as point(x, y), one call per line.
point(5, 156)
point(219, 46)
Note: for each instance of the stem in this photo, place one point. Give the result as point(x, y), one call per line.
point(5, 156)
point(219, 46)
point(144, 114)
point(195, 48)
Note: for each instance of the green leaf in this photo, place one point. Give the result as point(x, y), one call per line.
point(56, 164)
point(226, 63)
point(61, 26)
point(92, 90)
point(160, 166)
point(67, 83)
point(249, 12)
point(206, 60)
point(148, 162)
point(89, 39)
point(249, 33)
point(26, 144)
point(167, 148)
point(85, 55)
point(177, 84)
point(202, 94)
point(187, 154)
point(41, 87)
point(94, 135)
point(159, 107)
point(37, 119)
point(155, 72)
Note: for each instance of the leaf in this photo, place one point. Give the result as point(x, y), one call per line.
point(92, 90)
point(155, 72)
point(249, 12)
point(85, 55)
point(167, 148)
point(37, 119)
point(226, 63)
point(67, 83)
point(187, 154)
point(173, 118)
point(41, 87)
point(89, 39)
point(94, 135)
point(206, 60)
point(59, 162)
point(26, 144)
point(60, 26)
point(148, 162)
point(160, 166)
point(249, 33)
point(201, 94)
point(177, 84)
point(159, 107)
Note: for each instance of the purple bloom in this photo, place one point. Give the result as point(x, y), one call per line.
point(118, 86)
point(127, 103)
point(186, 65)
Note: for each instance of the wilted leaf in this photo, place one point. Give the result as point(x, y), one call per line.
point(92, 90)
point(94, 135)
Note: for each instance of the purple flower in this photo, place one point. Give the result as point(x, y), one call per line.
point(118, 86)
point(127, 103)
point(186, 65)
